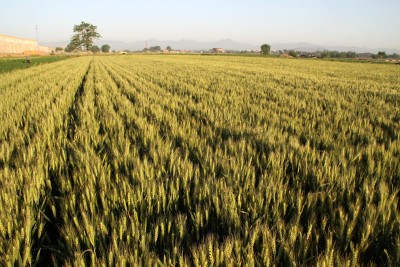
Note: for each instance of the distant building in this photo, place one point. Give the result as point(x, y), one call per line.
point(218, 50)
point(15, 45)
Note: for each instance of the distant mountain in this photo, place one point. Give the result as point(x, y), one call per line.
point(183, 44)
point(55, 44)
point(227, 44)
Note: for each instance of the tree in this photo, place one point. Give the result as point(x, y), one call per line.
point(351, 54)
point(325, 54)
point(84, 35)
point(94, 49)
point(265, 49)
point(70, 48)
point(105, 48)
point(395, 56)
point(155, 48)
point(59, 49)
point(293, 53)
point(382, 54)
point(169, 48)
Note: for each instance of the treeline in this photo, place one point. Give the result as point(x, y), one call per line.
point(157, 48)
point(352, 54)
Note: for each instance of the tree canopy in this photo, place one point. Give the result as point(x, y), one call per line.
point(95, 49)
point(105, 48)
point(156, 48)
point(70, 48)
point(85, 34)
point(382, 54)
point(337, 54)
point(293, 53)
point(265, 49)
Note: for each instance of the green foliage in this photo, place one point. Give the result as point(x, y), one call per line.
point(394, 56)
point(70, 48)
point(155, 48)
point(85, 34)
point(293, 53)
point(186, 161)
point(105, 48)
point(152, 49)
point(95, 49)
point(11, 64)
point(337, 54)
point(382, 54)
point(265, 49)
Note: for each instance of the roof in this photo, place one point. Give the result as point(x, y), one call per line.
point(9, 36)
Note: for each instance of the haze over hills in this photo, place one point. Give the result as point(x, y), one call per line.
point(342, 25)
point(183, 44)
point(227, 44)
point(306, 47)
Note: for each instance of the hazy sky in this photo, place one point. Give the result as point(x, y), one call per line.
point(369, 23)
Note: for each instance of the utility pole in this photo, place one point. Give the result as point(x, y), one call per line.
point(37, 39)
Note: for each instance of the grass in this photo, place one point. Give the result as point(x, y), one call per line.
point(11, 64)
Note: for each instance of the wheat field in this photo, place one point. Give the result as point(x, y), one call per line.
point(151, 160)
